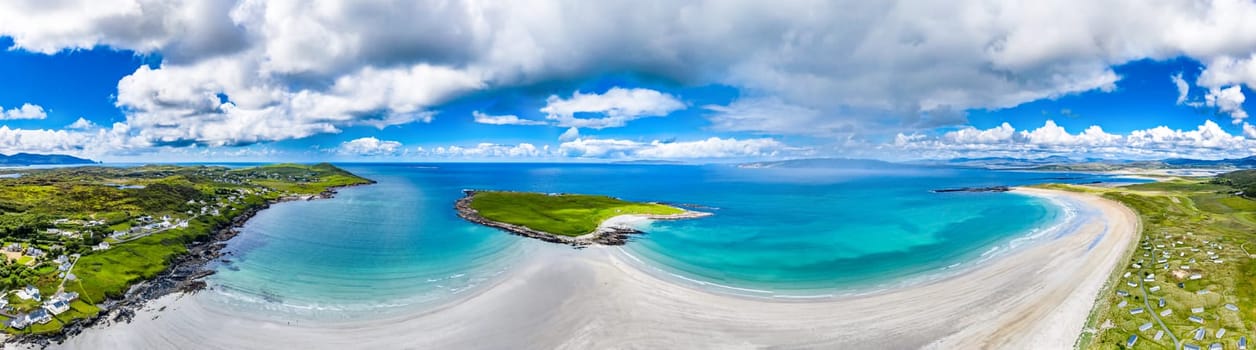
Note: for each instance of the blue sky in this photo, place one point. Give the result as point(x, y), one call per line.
point(68, 85)
point(225, 81)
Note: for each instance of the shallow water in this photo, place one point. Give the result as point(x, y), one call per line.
point(398, 245)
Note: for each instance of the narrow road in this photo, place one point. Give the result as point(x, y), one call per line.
point(1177, 344)
point(61, 287)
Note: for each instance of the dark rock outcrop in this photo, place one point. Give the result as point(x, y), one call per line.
point(974, 189)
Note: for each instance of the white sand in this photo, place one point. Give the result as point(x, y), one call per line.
point(1038, 298)
point(636, 221)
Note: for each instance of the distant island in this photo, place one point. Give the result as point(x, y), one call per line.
point(25, 159)
point(576, 219)
point(974, 189)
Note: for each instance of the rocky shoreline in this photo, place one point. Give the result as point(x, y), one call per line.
point(974, 189)
point(604, 235)
point(184, 275)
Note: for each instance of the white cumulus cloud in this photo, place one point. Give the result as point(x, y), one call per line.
point(1207, 136)
point(222, 102)
point(713, 147)
point(369, 146)
point(616, 107)
point(26, 111)
point(971, 135)
point(1228, 100)
point(1208, 140)
point(571, 134)
point(115, 140)
point(508, 119)
point(487, 150)
point(1051, 134)
point(82, 124)
point(1229, 70)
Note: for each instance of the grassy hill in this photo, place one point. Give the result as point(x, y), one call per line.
point(1242, 180)
point(22, 159)
point(562, 214)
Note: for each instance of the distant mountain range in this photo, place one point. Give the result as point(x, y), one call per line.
point(1248, 162)
point(1010, 162)
point(1170, 163)
point(822, 163)
point(1045, 163)
point(649, 162)
point(23, 159)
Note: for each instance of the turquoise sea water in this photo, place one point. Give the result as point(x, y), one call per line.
point(398, 244)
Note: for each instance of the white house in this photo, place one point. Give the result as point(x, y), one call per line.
point(18, 322)
point(28, 293)
point(39, 315)
point(66, 296)
point(56, 307)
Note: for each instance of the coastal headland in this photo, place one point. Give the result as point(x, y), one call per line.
point(574, 219)
point(1037, 296)
point(124, 236)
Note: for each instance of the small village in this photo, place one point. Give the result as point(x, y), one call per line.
point(33, 306)
point(1170, 289)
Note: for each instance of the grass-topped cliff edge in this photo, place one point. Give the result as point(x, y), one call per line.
point(563, 218)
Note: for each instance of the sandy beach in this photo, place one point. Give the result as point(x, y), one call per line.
point(1037, 297)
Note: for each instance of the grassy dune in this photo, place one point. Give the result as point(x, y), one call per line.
point(566, 214)
point(1182, 221)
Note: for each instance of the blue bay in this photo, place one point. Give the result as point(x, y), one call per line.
point(399, 245)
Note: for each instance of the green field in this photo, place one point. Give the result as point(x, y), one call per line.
point(565, 214)
point(1189, 227)
point(1178, 185)
point(298, 178)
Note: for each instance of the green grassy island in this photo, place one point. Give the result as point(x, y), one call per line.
point(577, 219)
point(75, 240)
